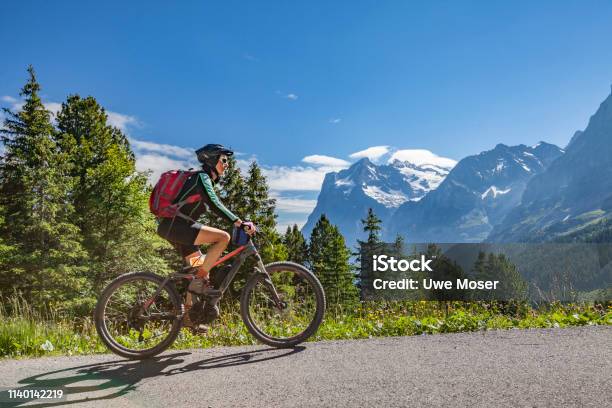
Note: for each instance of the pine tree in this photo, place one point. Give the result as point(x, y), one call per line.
point(297, 248)
point(366, 249)
point(398, 246)
point(479, 272)
point(35, 183)
point(260, 209)
point(329, 259)
point(372, 226)
point(318, 240)
point(111, 197)
point(259, 206)
point(231, 189)
point(479, 266)
point(444, 269)
point(511, 286)
point(340, 278)
point(7, 254)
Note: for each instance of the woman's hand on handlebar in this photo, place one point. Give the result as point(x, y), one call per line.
point(248, 226)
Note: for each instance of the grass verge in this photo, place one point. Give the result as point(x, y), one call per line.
point(29, 333)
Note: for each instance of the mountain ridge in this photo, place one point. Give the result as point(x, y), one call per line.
point(475, 196)
point(346, 195)
point(574, 192)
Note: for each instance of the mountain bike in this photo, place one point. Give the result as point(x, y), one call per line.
point(140, 314)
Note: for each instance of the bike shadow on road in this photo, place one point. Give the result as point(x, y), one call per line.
point(113, 379)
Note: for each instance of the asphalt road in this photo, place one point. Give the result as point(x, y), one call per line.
point(515, 368)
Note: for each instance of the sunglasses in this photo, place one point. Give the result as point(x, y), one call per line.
point(224, 160)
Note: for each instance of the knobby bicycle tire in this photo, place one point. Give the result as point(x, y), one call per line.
point(107, 338)
point(311, 329)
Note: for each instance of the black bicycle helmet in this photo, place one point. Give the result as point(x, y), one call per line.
point(209, 155)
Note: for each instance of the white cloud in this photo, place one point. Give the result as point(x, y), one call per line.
point(53, 107)
point(120, 120)
point(319, 159)
point(158, 157)
point(296, 178)
point(15, 104)
point(157, 164)
point(421, 157)
point(335, 120)
point(244, 164)
point(295, 205)
point(9, 99)
point(165, 149)
point(372, 153)
point(303, 178)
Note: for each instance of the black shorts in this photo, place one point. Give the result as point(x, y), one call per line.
point(181, 233)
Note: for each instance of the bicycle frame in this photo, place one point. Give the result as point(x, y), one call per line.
point(242, 252)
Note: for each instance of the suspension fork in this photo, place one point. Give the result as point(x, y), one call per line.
point(268, 282)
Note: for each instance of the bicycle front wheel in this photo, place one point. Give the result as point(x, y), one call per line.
point(134, 324)
point(300, 312)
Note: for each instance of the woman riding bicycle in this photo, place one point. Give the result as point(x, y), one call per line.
point(140, 314)
point(186, 234)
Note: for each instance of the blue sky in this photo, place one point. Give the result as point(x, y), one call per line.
point(301, 86)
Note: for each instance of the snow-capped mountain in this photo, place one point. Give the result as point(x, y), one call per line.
point(474, 197)
point(421, 178)
point(346, 195)
point(574, 192)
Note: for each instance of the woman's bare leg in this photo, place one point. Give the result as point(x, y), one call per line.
point(219, 240)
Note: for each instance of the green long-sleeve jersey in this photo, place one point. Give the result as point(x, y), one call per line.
point(201, 183)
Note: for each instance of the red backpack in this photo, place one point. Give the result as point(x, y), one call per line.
point(165, 192)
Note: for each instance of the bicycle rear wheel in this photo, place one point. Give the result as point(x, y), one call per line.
point(297, 318)
point(131, 323)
